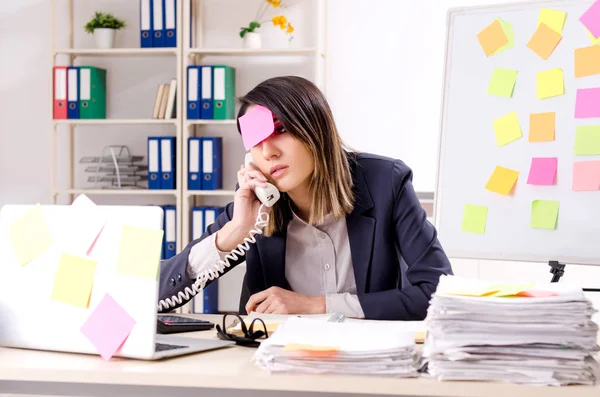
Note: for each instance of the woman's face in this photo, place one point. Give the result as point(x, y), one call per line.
point(283, 159)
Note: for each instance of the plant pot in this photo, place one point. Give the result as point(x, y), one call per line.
point(105, 37)
point(252, 40)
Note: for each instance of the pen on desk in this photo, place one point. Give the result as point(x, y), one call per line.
point(337, 317)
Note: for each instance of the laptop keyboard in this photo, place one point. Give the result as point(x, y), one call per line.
point(161, 347)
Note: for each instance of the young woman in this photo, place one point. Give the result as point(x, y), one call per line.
point(347, 235)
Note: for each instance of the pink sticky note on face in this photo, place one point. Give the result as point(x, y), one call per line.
point(586, 175)
point(587, 103)
point(591, 19)
point(256, 126)
point(108, 327)
point(543, 171)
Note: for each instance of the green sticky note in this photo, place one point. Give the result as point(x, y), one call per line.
point(139, 252)
point(502, 82)
point(74, 280)
point(550, 83)
point(544, 214)
point(587, 139)
point(474, 218)
point(29, 235)
point(510, 36)
point(507, 129)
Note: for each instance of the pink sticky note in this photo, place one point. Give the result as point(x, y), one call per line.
point(543, 171)
point(586, 175)
point(591, 19)
point(587, 103)
point(536, 294)
point(256, 126)
point(108, 327)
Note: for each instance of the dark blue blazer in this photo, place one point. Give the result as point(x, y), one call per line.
point(396, 254)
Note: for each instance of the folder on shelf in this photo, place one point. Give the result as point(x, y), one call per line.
point(92, 92)
point(170, 7)
point(170, 234)
point(193, 94)
point(60, 92)
point(73, 92)
point(167, 162)
point(158, 23)
point(194, 164)
point(212, 169)
point(158, 101)
point(223, 92)
point(206, 92)
point(146, 34)
point(154, 174)
point(170, 106)
point(207, 302)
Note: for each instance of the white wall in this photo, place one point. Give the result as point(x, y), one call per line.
point(384, 84)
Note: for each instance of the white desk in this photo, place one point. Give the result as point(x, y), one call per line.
point(225, 372)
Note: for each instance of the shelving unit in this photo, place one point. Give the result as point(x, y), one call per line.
point(70, 125)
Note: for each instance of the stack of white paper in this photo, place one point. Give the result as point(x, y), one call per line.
point(315, 347)
point(536, 333)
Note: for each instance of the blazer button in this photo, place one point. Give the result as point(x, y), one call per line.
point(179, 277)
point(172, 282)
point(327, 266)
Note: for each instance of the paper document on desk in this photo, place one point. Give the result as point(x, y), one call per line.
point(366, 348)
point(528, 333)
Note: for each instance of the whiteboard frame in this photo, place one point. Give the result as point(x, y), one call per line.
point(451, 14)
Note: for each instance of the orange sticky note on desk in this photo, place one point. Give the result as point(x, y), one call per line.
point(586, 175)
point(542, 127)
point(502, 180)
point(587, 61)
point(544, 41)
point(507, 129)
point(492, 38)
point(509, 289)
point(311, 350)
point(74, 280)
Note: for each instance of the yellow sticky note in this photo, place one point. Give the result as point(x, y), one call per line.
point(542, 127)
point(594, 39)
point(502, 82)
point(492, 38)
point(554, 19)
point(502, 180)
point(481, 291)
point(474, 218)
point(550, 83)
point(544, 214)
point(507, 129)
point(544, 41)
point(510, 36)
point(587, 61)
point(29, 235)
point(139, 252)
point(587, 139)
point(509, 289)
point(74, 280)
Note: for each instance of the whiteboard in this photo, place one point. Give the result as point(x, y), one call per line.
point(468, 152)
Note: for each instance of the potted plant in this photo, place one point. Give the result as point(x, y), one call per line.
point(104, 26)
point(251, 37)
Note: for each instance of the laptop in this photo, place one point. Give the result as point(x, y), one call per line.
point(43, 304)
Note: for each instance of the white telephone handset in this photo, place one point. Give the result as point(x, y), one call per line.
point(268, 196)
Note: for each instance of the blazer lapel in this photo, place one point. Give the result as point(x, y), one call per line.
point(272, 256)
point(361, 230)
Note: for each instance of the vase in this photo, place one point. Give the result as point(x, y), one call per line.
point(252, 40)
point(105, 37)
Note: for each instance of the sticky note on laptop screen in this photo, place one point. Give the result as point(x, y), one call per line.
point(586, 175)
point(74, 280)
point(474, 218)
point(544, 41)
point(507, 129)
point(502, 180)
point(29, 235)
point(554, 19)
point(550, 83)
point(543, 171)
point(139, 252)
point(591, 19)
point(502, 82)
point(542, 127)
point(544, 214)
point(492, 38)
point(587, 140)
point(587, 60)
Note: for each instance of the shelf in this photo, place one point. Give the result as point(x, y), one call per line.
point(212, 122)
point(251, 52)
point(118, 192)
point(190, 193)
point(117, 51)
point(114, 121)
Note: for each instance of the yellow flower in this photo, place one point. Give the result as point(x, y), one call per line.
point(290, 28)
point(274, 3)
point(280, 21)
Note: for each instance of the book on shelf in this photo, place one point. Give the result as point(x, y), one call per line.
point(165, 101)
